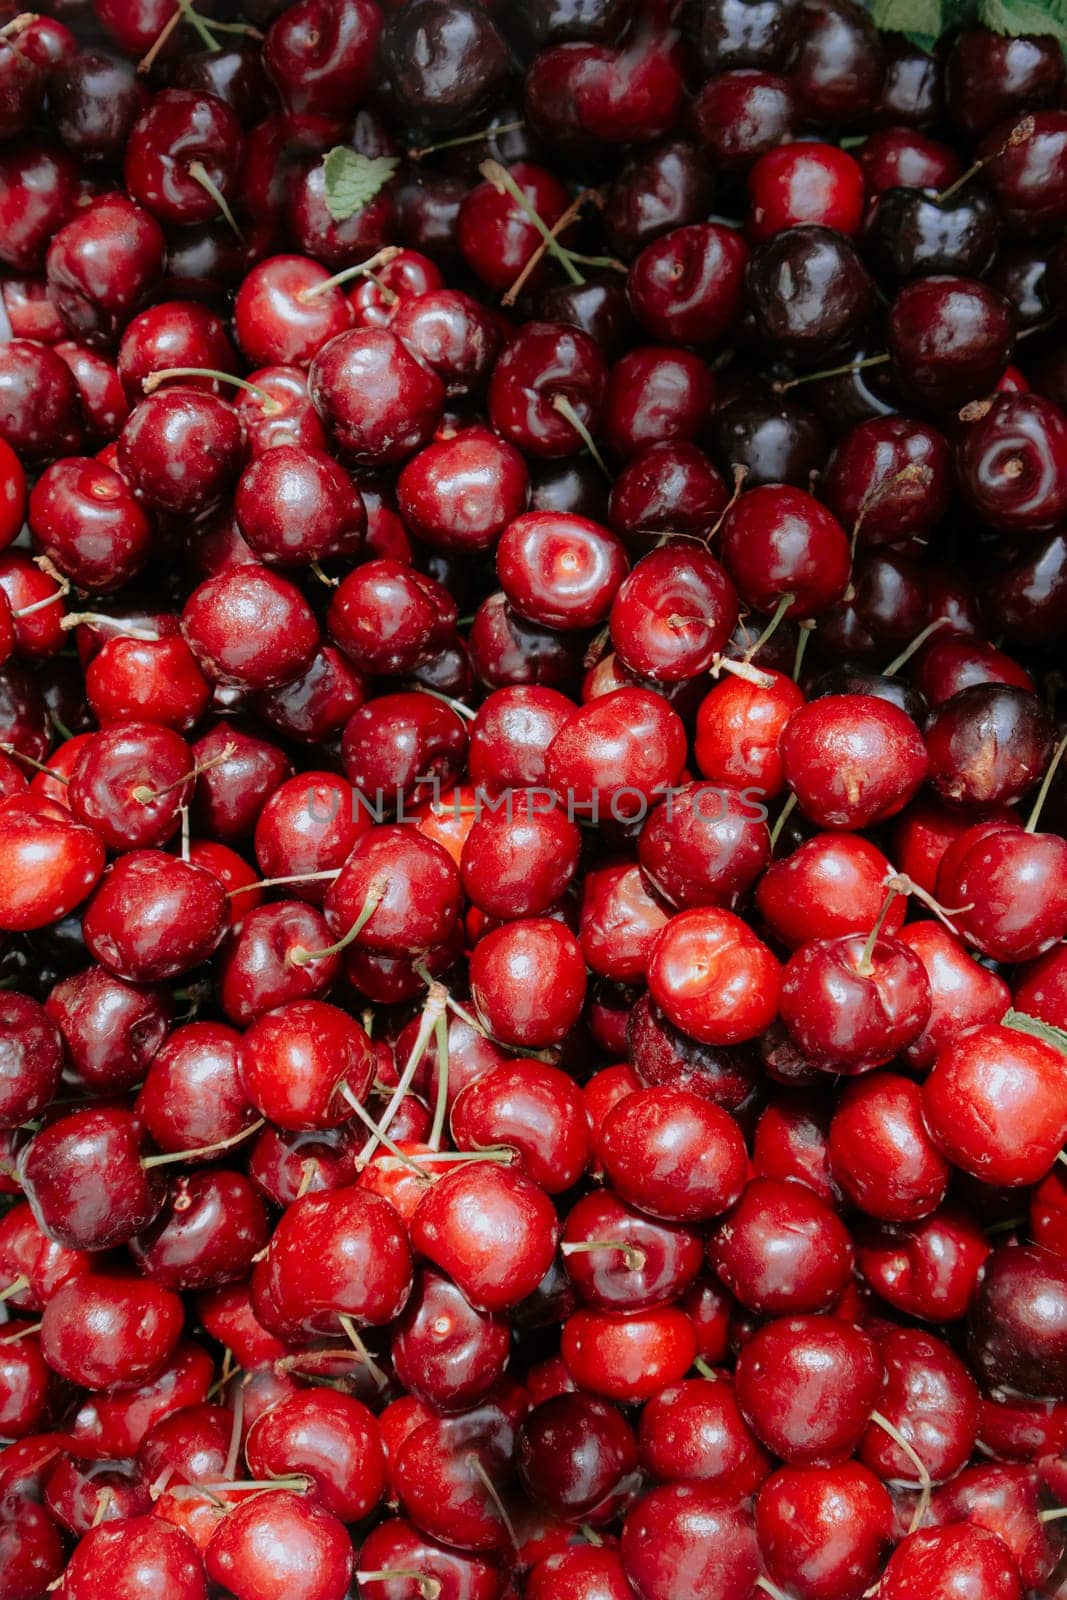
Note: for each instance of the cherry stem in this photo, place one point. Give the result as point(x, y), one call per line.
point(301, 957)
point(380, 1134)
point(429, 1588)
point(296, 1483)
point(740, 474)
point(440, 1033)
point(229, 1370)
point(504, 183)
point(779, 612)
point(294, 877)
point(105, 1499)
point(772, 1589)
point(19, 24)
point(905, 885)
point(23, 1333)
point(172, 1156)
point(464, 713)
point(314, 567)
point(364, 269)
point(561, 224)
point(49, 599)
point(925, 1481)
point(1052, 1516)
point(234, 1451)
point(352, 1335)
point(308, 1170)
point(1021, 134)
point(464, 138)
point(914, 472)
point(806, 631)
point(865, 965)
point(916, 644)
point(704, 1370)
point(478, 1468)
point(199, 174)
point(561, 404)
point(31, 761)
point(100, 619)
point(270, 405)
point(1046, 785)
point(148, 60)
point(633, 1257)
point(436, 1001)
point(831, 372)
point(144, 795)
point(783, 817)
point(741, 669)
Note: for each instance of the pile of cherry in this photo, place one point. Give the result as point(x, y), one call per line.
point(533, 843)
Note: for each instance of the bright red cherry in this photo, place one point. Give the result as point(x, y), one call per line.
point(461, 1225)
point(712, 976)
point(852, 760)
point(805, 182)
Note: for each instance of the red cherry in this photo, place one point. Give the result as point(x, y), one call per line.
point(51, 862)
point(461, 1221)
point(926, 1269)
point(250, 627)
point(714, 979)
point(528, 982)
point(931, 1400)
point(138, 1557)
point(942, 1562)
point(850, 1004)
point(963, 993)
point(824, 1531)
point(83, 1176)
point(805, 182)
point(620, 1260)
point(782, 1249)
point(154, 916)
point(807, 1386)
point(534, 1108)
point(674, 1154)
point(852, 760)
point(330, 1437)
point(301, 1062)
point(684, 1537)
point(628, 1358)
point(281, 1546)
point(996, 1105)
point(400, 399)
point(686, 287)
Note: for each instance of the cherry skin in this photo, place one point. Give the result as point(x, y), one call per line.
point(396, 1545)
point(809, 292)
point(387, 618)
point(251, 628)
point(284, 1545)
point(51, 862)
point(577, 1458)
point(1016, 1323)
point(824, 1531)
point(85, 518)
point(633, 1263)
point(111, 1031)
point(461, 1220)
point(628, 1358)
point(528, 982)
point(779, 541)
point(333, 1439)
point(103, 1332)
point(138, 1557)
point(560, 571)
point(987, 867)
point(714, 979)
point(142, 680)
point(31, 1058)
point(673, 615)
point(941, 1562)
point(849, 1008)
point(192, 1093)
point(400, 398)
point(583, 1572)
point(927, 1269)
point(1040, 988)
point(806, 1386)
point(199, 429)
point(996, 1106)
point(949, 339)
point(628, 733)
point(103, 1199)
point(673, 1154)
point(301, 1062)
point(685, 1534)
point(686, 287)
point(534, 1108)
point(295, 506)
point(101, 263)
point(656, 394)
point(443, 1350)
point(738, 728)
point(154, 916)
point(852, 760)
point(931, 1398)
point(782, 1250)
point(805, 182)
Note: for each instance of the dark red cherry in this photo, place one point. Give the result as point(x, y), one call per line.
point(283, 1538)
point(824, 1531)
point(1017, 1321)
point(809, 292)
point(807, 1386)
point(852, 760)
point(739, 116)
point(989, 77)
point(40, 409)
point(320, 57)
point(461, 493)
point(927, 1269)
point(949, 339)
point(850, 1004)
point(388, 618)
point(706, 1173)
point(111, 1030)
point(943, 1562)
point(1027, 172)
point(250, 627)
point(988, 745)
point(782, 1249)
point(687, 1533)
point(577, 1458)
point(888, 478)
point(399, 398)
point(1011, 461)
point(101, 263)
point(199, 430)
point(181, 140)
point(192, 1093)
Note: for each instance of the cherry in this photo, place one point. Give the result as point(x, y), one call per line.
point(400, 399)
point(320, 58)
point(250, 627)
point(281, 1544)
point(582, 1572)
point(630, 734)
point(86, 520)
point(949, 339)
point(673, 615)
point(941, 1561)
point(904, 158)
point(560, 570)
point(1026, 172)
point(673, 1154)
point(445, 1351)
point(852, 760)
point(296, 506)
point(138, 1557)
point(809, 292)
point(183, 156)
point(1010, 464)
point(154, 916)
point(686, 1534)
point(927, 1269)
point(1039, 988)
point(340, 1254)
point(1016, 1324)
point(739, 116)
point(192, 1094)
point(806, 1386)
point(655, 394)
point(686, 287)
point(452, 334)
point(129, 783)
point(714, 979)
point(175, 333)
point(886, 477)
point(963, 993)
point(988, 745)
point(31, 1058)
point(237, 771)
point(620, 1260)
point(318, 703)
point(994, 1104)
point(397, 1546)
point(461, 493)
point(460, 1221)
point(824, 1531)
point(330, 1437)
point(302, 1064)
point(738, 728)
point(782, 1249)
point(40, 411)
point(211, 1231)
point(111, 1030)
point(985, 866)
point(807, 182)
point(989, 77)
point(101, 263)
point(496, 232)
point(628, 1358)
point(619, 922)
point(82, 1175)
point(387, 618)
point(51, 862)
point(577, 1457)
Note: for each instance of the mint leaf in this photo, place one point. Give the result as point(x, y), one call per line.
point(353, 180)
point(919, 19)
point(1045, 1031)
point(1025, 16)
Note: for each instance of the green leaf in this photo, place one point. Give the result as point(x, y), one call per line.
point(1025, 16)
point(919, 19)
point(1045, 1031)
point(353, 180)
